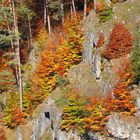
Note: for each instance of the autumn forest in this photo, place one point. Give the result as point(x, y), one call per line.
point(46, 46)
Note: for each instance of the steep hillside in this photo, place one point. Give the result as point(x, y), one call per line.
point(81, 82)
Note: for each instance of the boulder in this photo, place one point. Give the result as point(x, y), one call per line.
point(123, 127)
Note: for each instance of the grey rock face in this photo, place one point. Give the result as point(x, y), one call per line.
point(138, 103)
point(45, 128)
point(82, 79)
point(34, 56)
point(97, 65)
point(88, 47)
point(123, 127)
point(91, 55)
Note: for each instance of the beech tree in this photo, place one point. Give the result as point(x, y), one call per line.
point(120, 42)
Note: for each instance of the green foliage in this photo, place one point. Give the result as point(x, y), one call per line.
point(23, 11)
point(61, 81)
point(105, 14)
point(91, 114)
point(73, 114)
point(63, 100)
point(55, 8)
point(7, 81)
point(135, 55)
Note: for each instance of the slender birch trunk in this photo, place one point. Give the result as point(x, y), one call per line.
point(73, 5)
point(85, 8)
point(47, 16)
point(62, 9)
point(17, 50)
point(30, 32)
point(71, 12)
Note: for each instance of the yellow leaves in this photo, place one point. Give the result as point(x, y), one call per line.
point(42, 37)
point(61, 52)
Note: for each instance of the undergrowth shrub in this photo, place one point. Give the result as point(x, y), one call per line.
point(14, 117)
point(42, 37)
point(103, 11)
point(98, 111)
point(100, 6)
point(123, 100)
point(101, 40)
point(105, 14)
point(74, 114)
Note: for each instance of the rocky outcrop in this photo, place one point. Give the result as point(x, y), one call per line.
point(33, 59)
point(91, 54)
point(45, 125)
point(97, 65)
point(89, 45)
point(82, 79)
point(123, 127)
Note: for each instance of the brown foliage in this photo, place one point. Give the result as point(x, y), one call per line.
point(17, 116)
point(100, 6)
point(120, 42)
point(123, 101)
point(101, 40)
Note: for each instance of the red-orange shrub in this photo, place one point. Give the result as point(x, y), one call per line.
point(123, 100)
point(17, 117)
point(100, 6)
point(101, 40)
point(98, 111)
point(120, 42)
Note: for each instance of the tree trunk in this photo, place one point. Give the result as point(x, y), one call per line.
point(73, 5)
point(30, 32)
point(62, 9)
point(85, 8)
point(17, 50)
point(95, 3)
point(71, 12)
point(46, 15)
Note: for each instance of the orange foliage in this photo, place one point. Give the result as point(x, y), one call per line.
point(123, 100)
point(88, 9)
point(100, 6)
point(98, 110)
point(95, 111)
point(17, 117)
point(120, 42)
point(101, 40)
point(2, 134)
point(61, 52)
